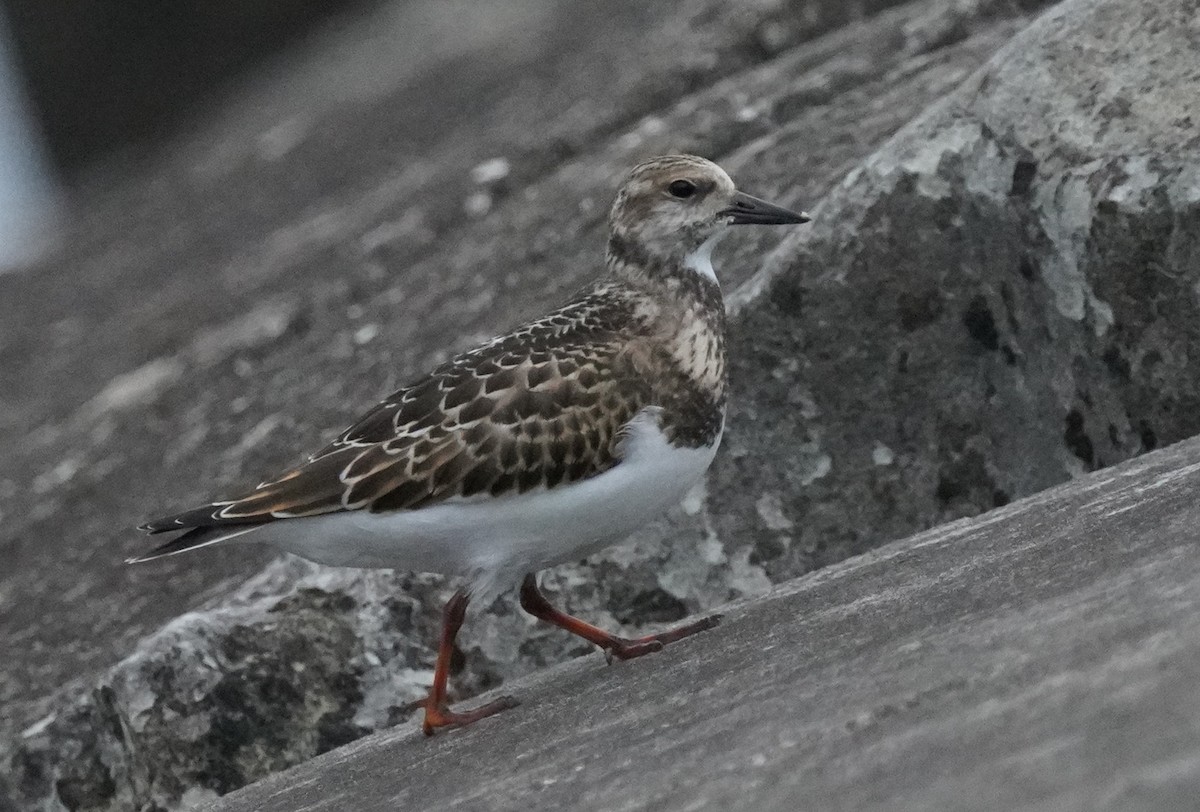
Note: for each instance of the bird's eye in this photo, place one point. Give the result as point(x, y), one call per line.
point(682, 188)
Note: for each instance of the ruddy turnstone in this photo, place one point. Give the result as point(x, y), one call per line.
point(538, 447)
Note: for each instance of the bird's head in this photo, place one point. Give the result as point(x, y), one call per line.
point(675, 207)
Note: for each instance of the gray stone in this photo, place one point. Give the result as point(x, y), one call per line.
point(1042, 656)
point(1003, 297)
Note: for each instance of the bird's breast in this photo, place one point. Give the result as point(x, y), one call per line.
point(698, 352)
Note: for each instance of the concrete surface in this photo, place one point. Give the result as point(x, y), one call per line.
point(1043, 656)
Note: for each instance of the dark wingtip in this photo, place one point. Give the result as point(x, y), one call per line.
point(158, 552)
point(170, 548)
point(194, 538)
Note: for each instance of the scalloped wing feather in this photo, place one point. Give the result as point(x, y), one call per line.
point(536, 408)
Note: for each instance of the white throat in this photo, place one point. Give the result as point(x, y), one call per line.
point(700, 260)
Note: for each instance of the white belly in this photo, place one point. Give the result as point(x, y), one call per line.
point(505, 537)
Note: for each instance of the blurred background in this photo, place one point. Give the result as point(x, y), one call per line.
point(87, 87)
point(105, 75)
point(27, 197)
point(80, 81)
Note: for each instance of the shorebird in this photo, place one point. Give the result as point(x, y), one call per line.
point(538, 447)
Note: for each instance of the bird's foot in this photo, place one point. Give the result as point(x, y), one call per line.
point(624, 648)
point(439, 715)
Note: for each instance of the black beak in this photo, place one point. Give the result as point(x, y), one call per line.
point(747, 210)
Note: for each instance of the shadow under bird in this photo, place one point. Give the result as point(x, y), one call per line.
point(539, 447)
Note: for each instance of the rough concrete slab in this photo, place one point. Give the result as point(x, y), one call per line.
point(1043, 656)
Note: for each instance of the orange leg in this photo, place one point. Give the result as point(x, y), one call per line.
point(535, 603)
point(437, 710)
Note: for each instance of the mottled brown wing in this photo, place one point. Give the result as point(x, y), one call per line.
point(539, 407)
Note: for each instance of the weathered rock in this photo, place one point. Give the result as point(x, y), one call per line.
point(872, 400)
point(1004, 296)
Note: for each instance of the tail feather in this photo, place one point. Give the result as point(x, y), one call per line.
point(193, 539)
point(203, 516)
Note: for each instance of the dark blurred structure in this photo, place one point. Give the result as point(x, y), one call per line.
point(105, 73)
